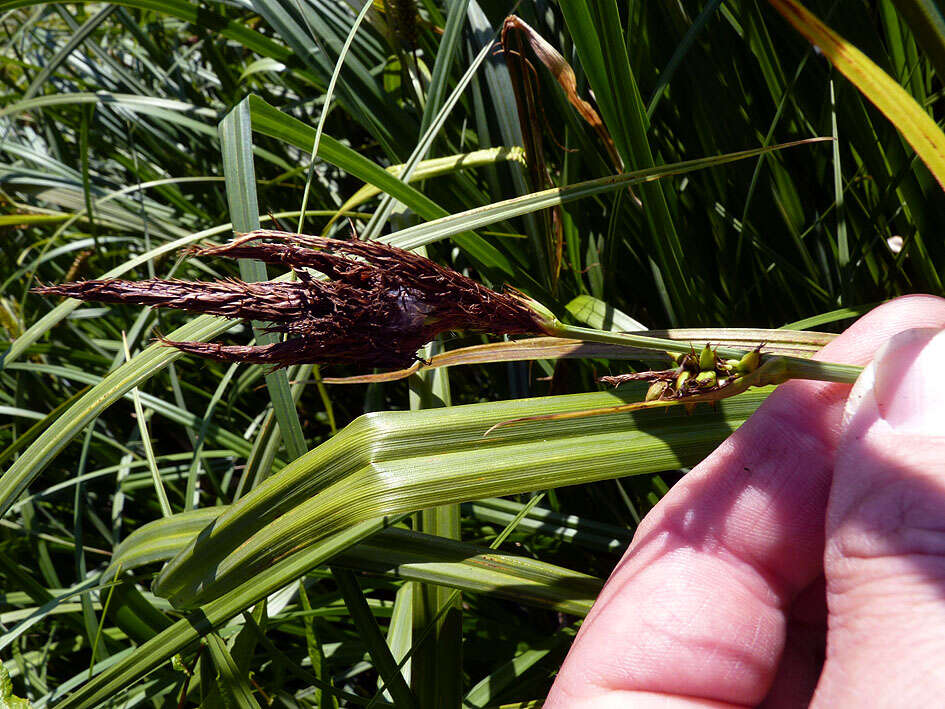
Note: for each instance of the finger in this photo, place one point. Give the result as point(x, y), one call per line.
point(803, 655)
point(696, 608)
point(885, 555)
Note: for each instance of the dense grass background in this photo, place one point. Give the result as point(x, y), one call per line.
point(130, 130)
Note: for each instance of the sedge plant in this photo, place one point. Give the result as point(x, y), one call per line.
point(376, 305)
point(504, 135)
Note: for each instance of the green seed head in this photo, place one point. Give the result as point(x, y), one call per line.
point(706, 380)
point(656, 390)
point(748, 363)
point(682, 379)
point(707, 359)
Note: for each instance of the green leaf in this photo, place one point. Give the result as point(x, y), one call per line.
point(412, 237)
point(202, 16)
point(430, 559)
point(927, 24)
point(599, 41)
point(237, 145)
point(231, 681)
point(270, 121)
point(912, 121)
point(385, 464)
point(33, 432)
point(601, 316)
point(404, 554)
point(371, 635)
point(173, 640)
point(433, 167)
point(113, 386)
point(510, 673)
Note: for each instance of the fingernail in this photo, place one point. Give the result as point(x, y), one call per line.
point(906, 382)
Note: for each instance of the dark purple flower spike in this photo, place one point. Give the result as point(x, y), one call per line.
point(379, 307)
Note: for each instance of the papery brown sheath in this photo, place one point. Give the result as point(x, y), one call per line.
point(379, 307)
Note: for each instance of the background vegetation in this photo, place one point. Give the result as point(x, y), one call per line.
point(130, 130)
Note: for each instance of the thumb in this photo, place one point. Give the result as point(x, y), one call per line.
point(885, 553)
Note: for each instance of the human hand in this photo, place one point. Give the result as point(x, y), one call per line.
point(804, 558)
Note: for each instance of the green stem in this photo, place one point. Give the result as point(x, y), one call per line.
point(794, 367)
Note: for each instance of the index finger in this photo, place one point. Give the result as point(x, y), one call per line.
point(696, 608)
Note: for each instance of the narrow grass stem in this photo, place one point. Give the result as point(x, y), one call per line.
point(799, 368)
point(794, 367)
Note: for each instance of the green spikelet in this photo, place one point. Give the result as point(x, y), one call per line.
point(656, 390)
point(749, 363)
point(707, 359)
point(706, 380)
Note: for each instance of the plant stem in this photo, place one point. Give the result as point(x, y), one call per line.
point(794, 367)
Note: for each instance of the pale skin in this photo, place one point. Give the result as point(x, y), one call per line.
point(803, 562)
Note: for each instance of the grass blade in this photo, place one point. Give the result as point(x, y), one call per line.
point(397, 473)
point(146, 442)
point(329, 93)
point(236, 142)
point(412, 237)
point(915, 125)
point(371, 635)
point(173, 640)
point(927, 24)
point(230, 681)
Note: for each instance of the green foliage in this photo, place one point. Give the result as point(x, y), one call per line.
point(296, 570)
